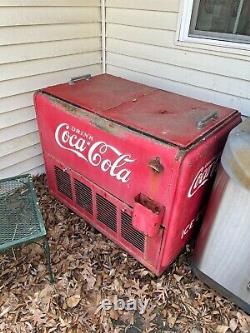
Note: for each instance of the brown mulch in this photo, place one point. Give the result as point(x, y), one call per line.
point(90, 268)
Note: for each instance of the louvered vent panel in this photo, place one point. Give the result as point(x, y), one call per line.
point(84, 196)
point(63, 182)
point(129, 233)
point(106, 212)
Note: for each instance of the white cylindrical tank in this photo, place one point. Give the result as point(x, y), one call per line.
point(222, 254)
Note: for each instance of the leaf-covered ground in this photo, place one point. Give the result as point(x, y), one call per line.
point(89, 268)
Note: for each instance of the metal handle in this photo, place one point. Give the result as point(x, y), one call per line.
point(79, 78)
point(203, 122)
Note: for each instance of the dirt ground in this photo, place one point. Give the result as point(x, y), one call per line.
point(89, 269)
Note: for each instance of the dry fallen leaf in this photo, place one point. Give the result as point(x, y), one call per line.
point(73, 301)
point(233, 324)
point(39, 317)
point(4, 311)
point(222, 329)
point(171, 319)
point(178, 277)
point(195, 330)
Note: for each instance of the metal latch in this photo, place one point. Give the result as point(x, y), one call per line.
point(203, 122)
point(73, 80)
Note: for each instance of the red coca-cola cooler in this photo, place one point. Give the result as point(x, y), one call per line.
point(134, 161)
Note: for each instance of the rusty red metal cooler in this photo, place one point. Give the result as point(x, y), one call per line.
point(134, 161)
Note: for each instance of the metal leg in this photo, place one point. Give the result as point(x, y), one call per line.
point(48, 260)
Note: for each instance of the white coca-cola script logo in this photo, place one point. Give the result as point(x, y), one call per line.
point(83, 145)
point(203, 176)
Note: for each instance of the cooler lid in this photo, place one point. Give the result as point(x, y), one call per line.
point(165, 116)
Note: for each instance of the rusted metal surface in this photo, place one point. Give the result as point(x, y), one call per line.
point(156, 165)
point(148, 203)
point(75, 110)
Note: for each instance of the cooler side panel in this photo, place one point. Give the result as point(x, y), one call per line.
point(197, 173)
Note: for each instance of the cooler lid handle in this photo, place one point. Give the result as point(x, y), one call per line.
point(203, 122)
point(79, 78)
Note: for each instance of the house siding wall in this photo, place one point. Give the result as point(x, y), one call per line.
point(141, 45)
point(41, 43)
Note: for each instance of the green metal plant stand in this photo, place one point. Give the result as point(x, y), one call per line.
point(21, 222)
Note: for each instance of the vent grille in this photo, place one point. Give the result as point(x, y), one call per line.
point(63, 182)
point(84, 196)
point(129, 233)
point(106, 212)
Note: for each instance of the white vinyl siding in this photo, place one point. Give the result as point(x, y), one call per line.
point(141, 45)
point(41, 43)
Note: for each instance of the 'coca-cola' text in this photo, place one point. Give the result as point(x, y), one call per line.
point(99, 154)
point(203, 176)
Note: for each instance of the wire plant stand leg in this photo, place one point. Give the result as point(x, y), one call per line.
point(48, 259)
